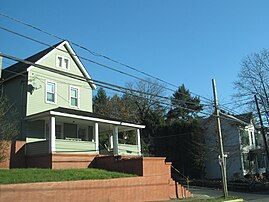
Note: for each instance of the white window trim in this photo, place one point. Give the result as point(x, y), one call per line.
point(63, 58)
point(46, 96)
point(70, 96)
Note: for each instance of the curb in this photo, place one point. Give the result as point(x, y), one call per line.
point(235, 200)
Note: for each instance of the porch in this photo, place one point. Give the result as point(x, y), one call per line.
point(68, 131)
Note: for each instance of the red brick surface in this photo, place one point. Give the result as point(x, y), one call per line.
point(151, 188)
point(15, 155)
point(64, 161)
point(154, 183)
point(142, 166)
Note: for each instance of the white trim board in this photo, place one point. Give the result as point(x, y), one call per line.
point(73, 55)
point(55, 113)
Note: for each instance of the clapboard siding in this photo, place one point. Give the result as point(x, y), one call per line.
point(37, 80)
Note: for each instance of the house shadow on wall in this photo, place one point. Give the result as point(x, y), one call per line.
point(17, 154)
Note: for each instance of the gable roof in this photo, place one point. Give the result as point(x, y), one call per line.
point(243, 119)
point(246, 117)
point(21, 67)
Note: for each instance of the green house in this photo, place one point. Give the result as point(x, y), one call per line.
point(53, 96)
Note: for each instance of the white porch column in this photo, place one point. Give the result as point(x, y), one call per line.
point(96, 136)
point(249, 137)
point(111, 141)
point(116, 140)
point(52, 137)
point(253, 138)
point(138, 142)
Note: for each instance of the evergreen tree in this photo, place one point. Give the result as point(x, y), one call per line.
point(184, 106)
point(101, 103)
point(181, 139)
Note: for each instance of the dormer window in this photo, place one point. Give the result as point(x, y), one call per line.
point(63, 62)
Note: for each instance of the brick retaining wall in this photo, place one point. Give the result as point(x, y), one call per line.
point(151, 188)
point(154, 184)
point(142, 166)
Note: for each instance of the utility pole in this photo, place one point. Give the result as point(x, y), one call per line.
point(222, 156)
point(263, 132)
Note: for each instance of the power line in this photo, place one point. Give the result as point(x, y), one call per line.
point(235, 102)
point(86, 59)
point(104, 84)
point(92, 52)
point(92, 80)
point(102, 65)
point(82, 58)
point(97, 54)
point(107, 85)
point(86, 49)
point(89, 60)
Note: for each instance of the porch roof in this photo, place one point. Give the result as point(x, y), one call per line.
point(82, 115)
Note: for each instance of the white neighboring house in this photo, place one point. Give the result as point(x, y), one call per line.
point(239, 142)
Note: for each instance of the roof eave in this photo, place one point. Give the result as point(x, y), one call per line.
point(88, 118)
point(77, 60)
point(235, 119)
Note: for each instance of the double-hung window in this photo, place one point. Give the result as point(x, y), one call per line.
point(50, 92)
point(74, 96)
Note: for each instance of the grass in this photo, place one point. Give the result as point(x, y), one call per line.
point(14, 176)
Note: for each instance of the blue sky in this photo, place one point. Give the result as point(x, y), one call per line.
point(181, 41)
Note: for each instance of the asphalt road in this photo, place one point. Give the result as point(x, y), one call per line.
point(203, 192)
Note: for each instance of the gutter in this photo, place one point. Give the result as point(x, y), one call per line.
point(235, 119)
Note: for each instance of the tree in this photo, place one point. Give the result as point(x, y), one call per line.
point(181, 138)
point(141, 104)
point(184, 106)
point(8, 125)
point(122, 108)
point(147, 108)
point(101, 103)
point(253, 80)
point(182, 143)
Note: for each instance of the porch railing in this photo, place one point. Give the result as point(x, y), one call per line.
point(36, 146)
point(74, 146)
point(128, 149)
